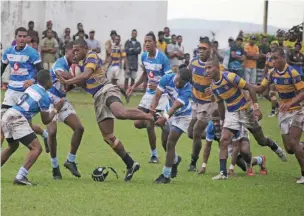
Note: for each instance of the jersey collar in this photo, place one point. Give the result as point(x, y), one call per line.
point(20, 50)
point(156, 53)
point(284, 70)
point(220, 80)
point(40, 86)
point(66, 61)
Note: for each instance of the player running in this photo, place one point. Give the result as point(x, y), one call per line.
point(227, 87)
point(107, 101)
point(287, 82)
point(67, 115)
point(155, 65)
point(16, 126)
point(237, 150)
point(203, 106)
point(177, 116)
point(24, 62)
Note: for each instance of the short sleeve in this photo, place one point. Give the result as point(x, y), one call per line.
point(162, 83)
point(4, 56)
point(169, 48)
point(56, 45)
point(210, 132)
point(166, 65)
point(233, 49)
point(123, 53)
point(236, 80)
point(34, 57)
point(184, 95)
point(91, 61)
point(299, 84)
point(45, 103)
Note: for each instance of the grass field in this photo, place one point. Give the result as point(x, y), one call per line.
point(188, 194)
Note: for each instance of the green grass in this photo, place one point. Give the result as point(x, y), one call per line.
point(188, 194)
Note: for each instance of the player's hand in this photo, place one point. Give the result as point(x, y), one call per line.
point(28, 83)
point(152, 86)
point(59, 105)
point(284, 107)
point(208, 91)
point(130, 91)
point(202, 170)
point(257, 114)
point(161, 121)
point(61, 79)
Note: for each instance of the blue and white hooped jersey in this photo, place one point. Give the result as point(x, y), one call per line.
point(34, 100)
point(155, 67)
point(183, 95)
point(22, 64)
point(57, 89)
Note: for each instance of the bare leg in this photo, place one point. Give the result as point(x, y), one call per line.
point(121, 113)
point(6, 153)
point(35, 150)
point(74, 123)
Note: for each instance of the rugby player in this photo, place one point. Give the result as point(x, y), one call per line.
point(287, 82)
point(16, 127)
point(107, 102)
point(24, 62)
point(202, 106)
point(177, 116)
point(156, 65)
point(67, 115)
point(227, 87)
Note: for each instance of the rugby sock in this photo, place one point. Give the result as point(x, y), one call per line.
point(45, 134)
point(71, 158)
point(303, 173)
point(167, 171)
point(193, 160)
point(154, 153)
point(223, 164)
point(54, 162)
point(259, 160)
point(176, 158)
point(128, 161)
point(22, 172)
point(274, 147)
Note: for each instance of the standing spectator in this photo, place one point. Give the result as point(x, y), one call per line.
point(181, 49)
point(264, 50)
point(67, 32)
point(237, 57)
point(133, 49)
point(92, 43)
point(62, 46)
point(296, 58)
point(167, 35)
point(49, 46)
point(186, 60)
point(227, 53)
point(174, 53)
point(250, 63)
point(215, 51)
point(108, 45)
point(80, 31)
point(31, 32)
point(161, 44)
point(49, 26)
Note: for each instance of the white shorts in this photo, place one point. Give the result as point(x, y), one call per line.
point(114, 72)
point(15, 125)
point(11, 97)
point(65, 111)
point(292, 118)
point(181, 122)
point(242, 118)
point(146, 101)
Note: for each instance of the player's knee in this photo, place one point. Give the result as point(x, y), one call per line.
point(79, 129)
point(139, 124)
point(52, 134)
point(121, 115)
point(111, 140)
point(224, 142)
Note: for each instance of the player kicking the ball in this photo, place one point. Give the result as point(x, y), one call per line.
point(228, 87)
point(67, 115)
point(177, 116)
point(107, 101)
point(16, 127)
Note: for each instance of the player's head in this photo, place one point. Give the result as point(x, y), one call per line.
point(150, 41)
point(117, 40)
point(212, 67)
point(69, 52)
point(215, 117)
point(80, 49)
point(49, 33)
point(44, 79)
point(204, 50)
point(20, 36)
point(278, 57)
point(183, 76)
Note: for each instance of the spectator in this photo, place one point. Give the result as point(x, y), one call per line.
point(133, 49)
point(34, 44)
point(67, 32)
point(80, 31)
point(186, 60)
point(31, 32)
point(92, 43)
point(250, 63)
point(108, 45)
point(181, 49)
point(161, 44)
point(49, 46)
point(167, 35)
point(227, 53)
point(62, 46)
point(296, 58)
point(237, 57)
point(174, 53)
point(49, 26)
point(291, 42)
point(264, 50)
point(215, 51)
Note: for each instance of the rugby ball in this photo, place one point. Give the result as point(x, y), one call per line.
point(75, 70)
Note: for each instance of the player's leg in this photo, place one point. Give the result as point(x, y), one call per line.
point(74, 123)
point(6, 153)
point(233, 151)
point(52, 142)
point(246, 155)
point(38, 130)
point(206, 154)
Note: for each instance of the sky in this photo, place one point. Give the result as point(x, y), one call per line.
point(282, 13)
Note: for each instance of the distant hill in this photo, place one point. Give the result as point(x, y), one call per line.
point(192, 29)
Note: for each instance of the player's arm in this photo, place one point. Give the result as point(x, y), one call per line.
point(183, 98)
point(159, 91)
point(46, 114)
point(3, 67)
point(98, 49)
point(4, 62)
point(221, 109)
point(124, 56)
point(36, 61)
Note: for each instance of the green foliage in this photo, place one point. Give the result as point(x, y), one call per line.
point(259, 37)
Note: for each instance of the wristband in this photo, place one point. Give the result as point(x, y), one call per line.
point(204, 165)
point(231, 167)
point(256, 106)
point(166, 115)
